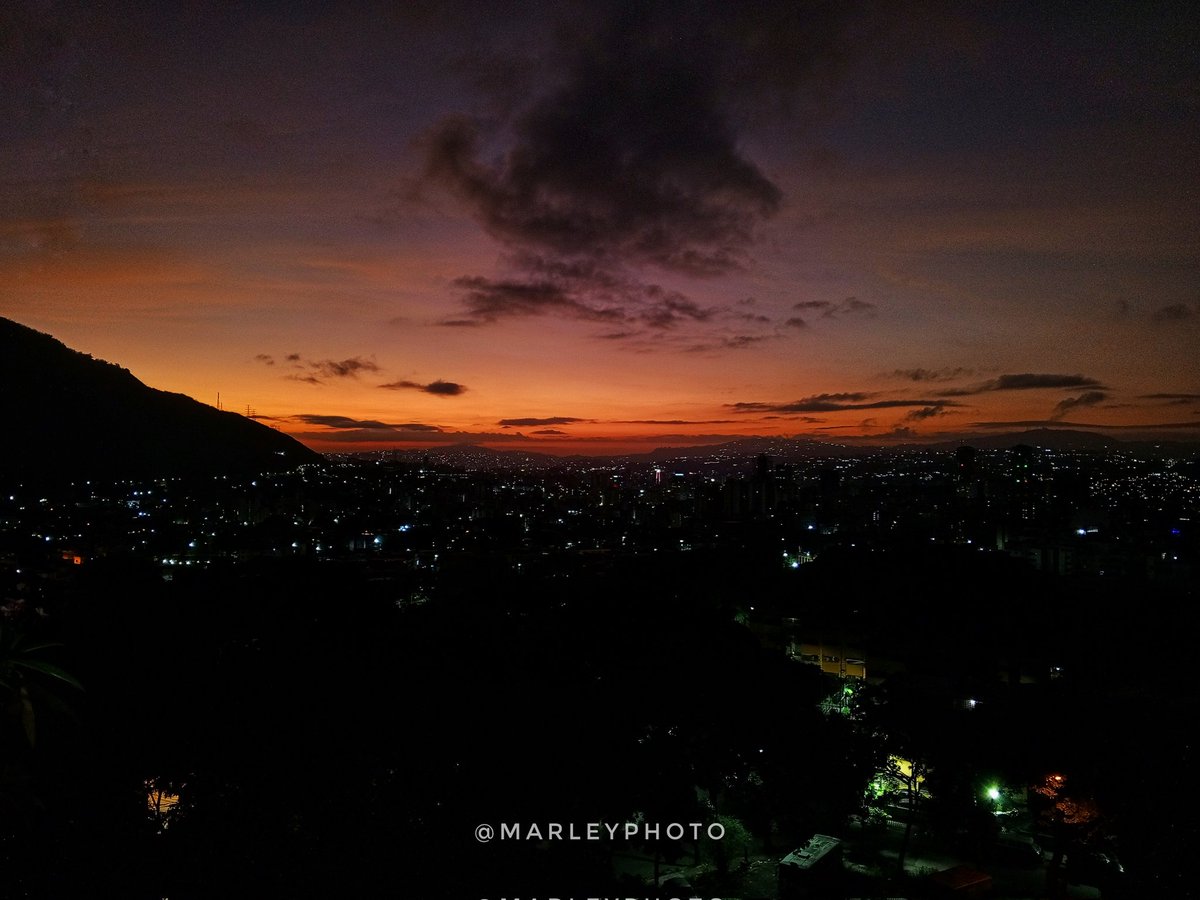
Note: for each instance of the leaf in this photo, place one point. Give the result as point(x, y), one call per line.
point(27, 717)
point(33, 648)
point(50, 669)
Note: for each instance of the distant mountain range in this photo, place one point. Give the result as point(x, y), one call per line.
point(734, 455)
point(1064, 439)
point(1046, 438)
point(68, 416)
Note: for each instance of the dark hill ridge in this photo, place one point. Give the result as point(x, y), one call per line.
point(1046, 438)
point(69, 416)
point(733, 456)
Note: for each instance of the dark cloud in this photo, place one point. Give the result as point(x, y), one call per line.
point(338, 421)
point(932, 374)
point(576, 290)
point(796, 322)
point(444, 388)
point(346, 422)
point(400, 435)
point(346, 368)
point(529, 422)
point(831, 310)
point(838, 403)
point(755, 318)
point(317, 371)
point(728, 342)
point(1058, 423)
point(738, 341)
point(667, 309)
point(1032, 423)
point(844, 397)
point(925, 412)
point(1023, 382)
point(674, 422)
point(629, 158)
point(438, 388)
point(684, 441)
point(1176, 312)
point(1089, 398)
point(1027, 382)
point(548, 431)
point(1172, 398)
point(488, 300)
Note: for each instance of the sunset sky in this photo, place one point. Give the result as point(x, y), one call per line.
point(597, 227)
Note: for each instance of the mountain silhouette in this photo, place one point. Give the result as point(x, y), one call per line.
point(68, 416)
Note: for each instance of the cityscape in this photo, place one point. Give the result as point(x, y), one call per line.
point(641, 449)
point(1067, 512)
point(303, 679)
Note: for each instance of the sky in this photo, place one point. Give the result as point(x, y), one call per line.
point(607, 227)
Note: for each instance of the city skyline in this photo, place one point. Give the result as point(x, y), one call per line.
point(587, 228)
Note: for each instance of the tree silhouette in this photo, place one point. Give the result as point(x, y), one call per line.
point(27, 682)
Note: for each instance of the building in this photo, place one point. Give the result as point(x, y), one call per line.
point(838, 659)
point(812, 870)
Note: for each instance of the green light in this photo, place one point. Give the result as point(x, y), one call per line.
point(993, 793)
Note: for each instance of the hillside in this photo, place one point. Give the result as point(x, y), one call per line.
point(69, 416)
